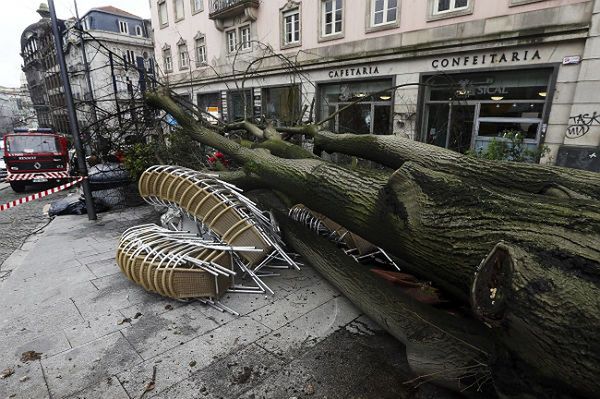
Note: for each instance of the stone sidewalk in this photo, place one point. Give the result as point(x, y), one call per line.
point(101, 336)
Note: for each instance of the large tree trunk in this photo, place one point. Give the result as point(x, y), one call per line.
point(443, 224)
point(394, 151)
point(440, 347)
point(539, 303)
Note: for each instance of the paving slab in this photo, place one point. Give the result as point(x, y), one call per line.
point(173, 366)
point(330, 369)
point(108, 388)
point(151, 336)
point(27, 382)
point(228, 377)
point(78, 368)
point(103, 267)
point(294, 305)
point(307, 331)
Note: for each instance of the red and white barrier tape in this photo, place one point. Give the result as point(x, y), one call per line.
point(43, 194)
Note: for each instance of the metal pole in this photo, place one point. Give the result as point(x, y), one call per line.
point(60, 58)
point(86, 68)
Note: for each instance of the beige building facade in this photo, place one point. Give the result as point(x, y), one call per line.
point(463, 71)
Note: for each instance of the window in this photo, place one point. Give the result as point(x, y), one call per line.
point(168, 60)
point(450, 5)
point(520, 2)
point(163, 17)
point(331, 19)
point(231, 41)
point(245, 37)
point(439, 9)
point(184, 61)
point(129, 57)
point(291, 27)
point(123, 27)
point(197, 6)
point(211, 104)
point(241, 105)
point(383, 12)
point(139, 31)
point(470, 110)
point(200, 50)
point(372, 115)
point(178, 7)
point(282, 104)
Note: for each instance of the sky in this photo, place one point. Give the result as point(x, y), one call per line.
point(21, 13)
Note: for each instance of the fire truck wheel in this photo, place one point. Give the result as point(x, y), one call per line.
point(17, 186)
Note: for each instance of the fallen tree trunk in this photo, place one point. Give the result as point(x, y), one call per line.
point(536, 308)
point(441, 348)
point(394, 151)
point(442, 225)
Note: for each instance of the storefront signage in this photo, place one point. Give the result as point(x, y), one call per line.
point(357, 71)
point(571, 60)
point(486, 59)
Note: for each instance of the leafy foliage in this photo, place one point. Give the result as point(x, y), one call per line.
point(510, 147)
point(140, 157)
point(178, 149)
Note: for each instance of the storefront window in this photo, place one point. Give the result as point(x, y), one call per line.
point(210, 103)
point(467, 111)
point(282, 104)
point(373, 115)
point(241, 105)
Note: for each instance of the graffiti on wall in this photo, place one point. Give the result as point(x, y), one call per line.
point(580, 125)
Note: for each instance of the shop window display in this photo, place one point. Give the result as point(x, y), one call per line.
point(372, 115)
point(282, 104)
point(467, 111)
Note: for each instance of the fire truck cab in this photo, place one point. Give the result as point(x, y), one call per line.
point(35, 156)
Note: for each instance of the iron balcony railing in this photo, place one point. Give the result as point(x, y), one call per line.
point(228, 8)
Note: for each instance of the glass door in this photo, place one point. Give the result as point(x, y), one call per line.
point(462, 118)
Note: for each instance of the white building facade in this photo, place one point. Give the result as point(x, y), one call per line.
point(118, 47)
point(464, 70)
point(16, 109)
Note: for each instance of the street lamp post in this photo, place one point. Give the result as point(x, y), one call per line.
point(60, 57)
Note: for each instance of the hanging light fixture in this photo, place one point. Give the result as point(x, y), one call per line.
point(497, 98)
point(542, 94)
point(385, 98)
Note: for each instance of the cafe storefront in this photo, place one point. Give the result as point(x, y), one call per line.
point(357, 106)
point(466, 111)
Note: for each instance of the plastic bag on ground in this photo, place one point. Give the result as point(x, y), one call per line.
point(74, 205)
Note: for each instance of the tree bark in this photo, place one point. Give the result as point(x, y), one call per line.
point(394, 151)
point(441, 348)
point(537, 307)
point(284, 149)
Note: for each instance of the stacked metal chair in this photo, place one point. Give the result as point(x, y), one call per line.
point(225, 217)
point(355, 246)
point(176, 264)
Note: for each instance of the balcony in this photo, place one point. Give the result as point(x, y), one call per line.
point(223, 9)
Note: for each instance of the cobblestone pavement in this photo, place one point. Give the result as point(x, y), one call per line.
point(16, 224)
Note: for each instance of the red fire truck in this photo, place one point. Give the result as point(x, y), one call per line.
point(35, 156)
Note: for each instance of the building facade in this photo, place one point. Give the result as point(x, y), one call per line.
point(463, 71)
point(16, 109)
point(43, 74)
point(117, 46)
